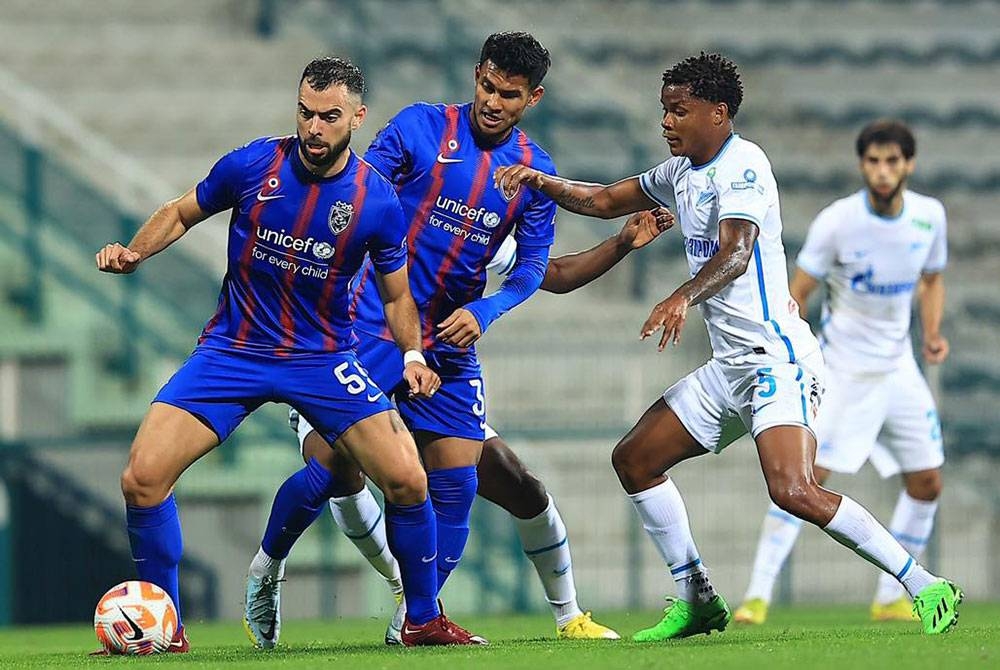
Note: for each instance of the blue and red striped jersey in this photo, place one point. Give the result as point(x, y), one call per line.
point(456, 218)
point(295, 242)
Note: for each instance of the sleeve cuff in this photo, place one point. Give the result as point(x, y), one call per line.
point(648, 190)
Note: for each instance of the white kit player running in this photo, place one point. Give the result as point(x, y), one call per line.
point(766, 372)
point(873, 250)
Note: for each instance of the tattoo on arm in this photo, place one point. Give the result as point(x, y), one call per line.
point(569, 201)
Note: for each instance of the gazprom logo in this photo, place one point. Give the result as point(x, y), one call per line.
point(699, 247)
point(864, 282)
point(464, 211)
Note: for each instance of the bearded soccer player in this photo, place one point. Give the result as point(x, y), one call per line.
point(874, 250)
point(305, 212)
point(766, 373)
point(503, 478)
point(441, 159)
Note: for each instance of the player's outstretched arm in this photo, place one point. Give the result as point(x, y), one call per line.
point(598, 200)
point(736, 240)
point(930, 296)
point(404, 323)
point(167, 225)
point(571, 271)
point(801, 287)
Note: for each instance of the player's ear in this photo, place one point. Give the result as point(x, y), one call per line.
point(476, 72)
point(359, 117)
point(536, 96)
point(720, 114)
point(911, 163)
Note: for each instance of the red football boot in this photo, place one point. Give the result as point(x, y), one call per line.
point(440, 630)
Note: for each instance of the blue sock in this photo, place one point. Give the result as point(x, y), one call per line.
point(452, 493)
point(413, 541)
point(154, 534)
point(298, 503)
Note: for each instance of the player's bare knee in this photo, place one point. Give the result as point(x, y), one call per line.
point(630, 469)
point(797, 497)
point(406, 488)
point(141, 487)
point(924, 485)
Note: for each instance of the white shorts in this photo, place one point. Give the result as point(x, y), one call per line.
point(719, 403)
point(298, 423)
point(890, 419)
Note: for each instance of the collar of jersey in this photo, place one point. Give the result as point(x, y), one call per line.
point(880, 217)
point(466, 114)
point(718, 154)
point(306, 175)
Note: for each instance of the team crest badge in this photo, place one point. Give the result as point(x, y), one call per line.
point(340, 216)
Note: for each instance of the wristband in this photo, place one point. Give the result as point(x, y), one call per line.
point(413, 356)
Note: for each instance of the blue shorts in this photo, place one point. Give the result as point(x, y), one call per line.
point(221, 388)
point(458, 409)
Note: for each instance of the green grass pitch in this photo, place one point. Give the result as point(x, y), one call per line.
point(800, 638)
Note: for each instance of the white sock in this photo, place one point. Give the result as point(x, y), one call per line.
point(544, 541)
point(856, 529)
point(665, 519)
point(263, 565)
point(360, 518)
point(911, 525)
point(777, 537)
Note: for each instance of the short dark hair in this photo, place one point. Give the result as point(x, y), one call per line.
point(887, 131)
point(517, 53)
point(711, 77)
point(326, 71)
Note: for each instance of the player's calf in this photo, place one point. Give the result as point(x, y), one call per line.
point(505, 480)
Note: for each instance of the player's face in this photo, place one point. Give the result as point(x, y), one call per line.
point(885, 170)
point(500, 101)
point(691, 125)
point(326, 120)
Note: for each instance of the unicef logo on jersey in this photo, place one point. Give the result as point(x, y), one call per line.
point(322, 250)
point(491, 219)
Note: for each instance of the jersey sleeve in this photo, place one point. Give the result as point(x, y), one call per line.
point(658, 182)
point(937, 259)
point(388, 153)
point(220, 190)
point(820, 249)
point(537, 227)
point(387, 247)
point(503, 260)
point(746, 190)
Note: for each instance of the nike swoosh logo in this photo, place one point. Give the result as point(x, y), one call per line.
point(561, 571)
point(264, 198)
point(135, 627)
point(268, 633)
point(449, 559)
point(373, 398)
point(442, 159)
point(428, 559)
point(409, 631)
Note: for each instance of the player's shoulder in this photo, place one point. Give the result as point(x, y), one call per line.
point(376, 184)
point(265, 146)
point(540, 158)
point(924, 204)
point(848, 208)
point(421, 113)
point(740, 156)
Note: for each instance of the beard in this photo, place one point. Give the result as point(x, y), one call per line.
point(334, 152)
point(886, 199)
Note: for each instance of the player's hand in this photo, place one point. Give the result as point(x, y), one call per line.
point(117, 259)
point(510, 177)
point(644, 227)
point(669, 315)
point(460, 329)
point(936, 349)
point(423, 381)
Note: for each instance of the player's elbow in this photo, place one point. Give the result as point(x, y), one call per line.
point(553, 281)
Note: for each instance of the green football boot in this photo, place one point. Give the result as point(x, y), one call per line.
point(683, 619)
point(937, 606)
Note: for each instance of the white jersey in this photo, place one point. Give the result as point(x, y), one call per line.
point(755, 314)
point(504, 258)
point(871, 265)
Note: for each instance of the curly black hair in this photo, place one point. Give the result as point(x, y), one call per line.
point(517, 53)
point(711, 77)
point(887, 131)
point(321, 73)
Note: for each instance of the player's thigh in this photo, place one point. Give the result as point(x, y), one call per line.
point(169, 440)
point(386, 452)
point(505, 480)
point(654, 445)
point(912, 431)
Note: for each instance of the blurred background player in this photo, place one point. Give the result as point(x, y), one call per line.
point(440, 158)
point(767, 369)
point(503, 478)
point(306, 211)
point(873, 250)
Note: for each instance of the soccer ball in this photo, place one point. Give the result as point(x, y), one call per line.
point(135, 618)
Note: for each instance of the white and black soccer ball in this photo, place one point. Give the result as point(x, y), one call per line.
point(135, 618)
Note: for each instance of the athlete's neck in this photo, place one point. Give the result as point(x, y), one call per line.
point(327, 171)
point(712, 150)
point(890, 207)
